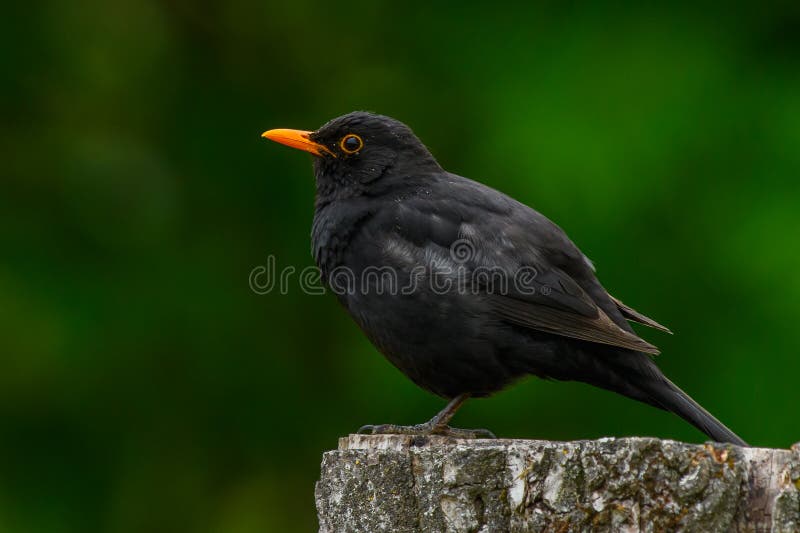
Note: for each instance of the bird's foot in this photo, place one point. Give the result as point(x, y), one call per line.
point(427, 429)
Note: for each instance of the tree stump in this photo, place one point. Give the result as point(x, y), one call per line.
point(400, 483)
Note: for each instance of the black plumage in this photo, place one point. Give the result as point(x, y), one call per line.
point(461, 287)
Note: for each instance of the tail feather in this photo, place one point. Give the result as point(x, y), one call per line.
point(671, 398)
point(636, 376)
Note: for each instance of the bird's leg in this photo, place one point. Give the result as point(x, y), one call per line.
point(435, 426)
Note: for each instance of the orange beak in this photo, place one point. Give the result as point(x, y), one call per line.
point(297, 139)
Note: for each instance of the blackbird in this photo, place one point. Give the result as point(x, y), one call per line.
point(461, 287)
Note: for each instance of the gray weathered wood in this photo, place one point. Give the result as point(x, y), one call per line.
point(400, 483)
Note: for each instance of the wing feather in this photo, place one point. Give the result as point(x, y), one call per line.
point(510, 236)
point(635, 316)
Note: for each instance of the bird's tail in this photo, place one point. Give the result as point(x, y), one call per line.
point(635, 375)
point(671, 398)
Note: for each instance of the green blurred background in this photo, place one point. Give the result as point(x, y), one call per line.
point(145, 387)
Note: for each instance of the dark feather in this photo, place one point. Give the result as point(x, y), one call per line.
point(598, 328)
point(555, 301)
point(635, 316)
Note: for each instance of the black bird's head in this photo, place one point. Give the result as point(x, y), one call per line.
point(358, 151)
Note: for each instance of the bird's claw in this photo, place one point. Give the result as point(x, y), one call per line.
point(426, 429)
point(459, 433)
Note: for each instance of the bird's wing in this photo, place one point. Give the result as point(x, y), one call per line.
point(499, 233)
point(592, 325)
point(635, 316)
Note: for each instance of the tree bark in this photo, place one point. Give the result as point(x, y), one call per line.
point(402, 483)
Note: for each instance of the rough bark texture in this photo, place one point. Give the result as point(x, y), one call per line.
point(399, 483)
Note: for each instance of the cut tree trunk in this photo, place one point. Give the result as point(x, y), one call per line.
point(402, 483)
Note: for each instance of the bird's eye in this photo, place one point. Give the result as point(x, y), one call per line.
point(351, 143)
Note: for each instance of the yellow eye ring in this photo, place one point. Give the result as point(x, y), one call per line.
point(351, 143)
